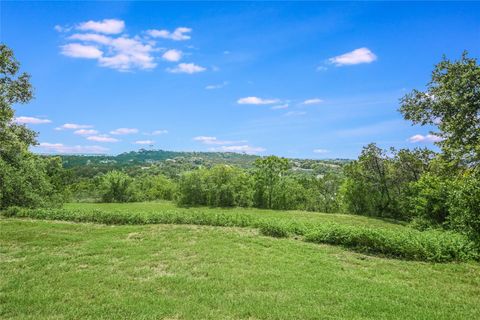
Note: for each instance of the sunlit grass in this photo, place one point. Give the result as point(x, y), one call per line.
point(59, 270)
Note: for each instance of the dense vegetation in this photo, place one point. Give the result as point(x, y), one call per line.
point(25, 178)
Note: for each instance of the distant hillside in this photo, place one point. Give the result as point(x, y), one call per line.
point(174, 162)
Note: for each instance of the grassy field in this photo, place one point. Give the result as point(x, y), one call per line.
point(60, 270)
point(65, 270)
point(298, 216)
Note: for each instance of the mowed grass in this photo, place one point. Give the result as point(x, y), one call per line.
point(150, 208)
point(61, 270)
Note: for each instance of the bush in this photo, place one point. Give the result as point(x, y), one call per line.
point(464, 206)
point(274, 230)
point(436, 246)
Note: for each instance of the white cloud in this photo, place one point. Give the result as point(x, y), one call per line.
point(322, 68)
point(240, 149)
point(256, 100)
point(295, 113)
point(121, 131)
point(91, 37)
point(128, 54)
point(312, 101)
point(186, 68)
point(427, 138)
point(178, 34)
point(159, 132)
point(144, 142)
point(172, 55)
point(122, 53)
point(214, 140)
point(321, 151)
point(102, 138)
point(73, 126)
point(76, 50)
point(216, 86)
point(85, 132)
point(280, 107)
point(61, 148)
point(30, 120)
point(108, 26)
point(357, 56)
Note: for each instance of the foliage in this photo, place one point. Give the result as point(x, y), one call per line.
point(464, 205)
point(269, 172)
point(25, 179)
point(116, 186)
point(451, 102)
point(438, 246)
point(379, 182)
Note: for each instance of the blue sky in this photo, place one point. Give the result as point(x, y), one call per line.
point(310, 80)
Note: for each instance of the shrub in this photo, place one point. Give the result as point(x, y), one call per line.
point(464, 206)
point(437, 246)
point(273, 229)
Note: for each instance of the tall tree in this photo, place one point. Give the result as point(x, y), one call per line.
point(24, 177)
point(451, 102)
point(268, 174)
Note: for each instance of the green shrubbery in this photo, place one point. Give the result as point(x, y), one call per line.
point(437, 246)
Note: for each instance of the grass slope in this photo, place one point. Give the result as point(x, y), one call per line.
point(59, 270)
point(358, 233)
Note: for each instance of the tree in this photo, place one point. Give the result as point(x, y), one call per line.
point(116, 187)
point(451, 102)
point(268, 173)
point(25, 179)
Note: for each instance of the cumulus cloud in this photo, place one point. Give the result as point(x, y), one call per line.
point(312, 101)
point(215, 141)
point(240, 149)
point(122, 131)
point(425, 139)
point(280, 107)
point(321, 151)
point(102, 138)
point(256, 100)
point(61, 148)
point(186, 68)
point(76, 50)
point(122, 53)
point(105, 42)
point(85, 132)
point(143, 142)
point(172, 55)
point(107, 26)
point(73, 126)
point(179, 34)
point(357, 56)
point(30, 120)
point(216, 86)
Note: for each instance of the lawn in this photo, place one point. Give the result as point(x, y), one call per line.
point(63, 270)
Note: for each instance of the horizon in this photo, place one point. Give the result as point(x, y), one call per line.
point(297, 80)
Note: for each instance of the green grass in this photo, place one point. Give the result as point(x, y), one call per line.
point(150, 208)
point(358, 233)
point(61, 270)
